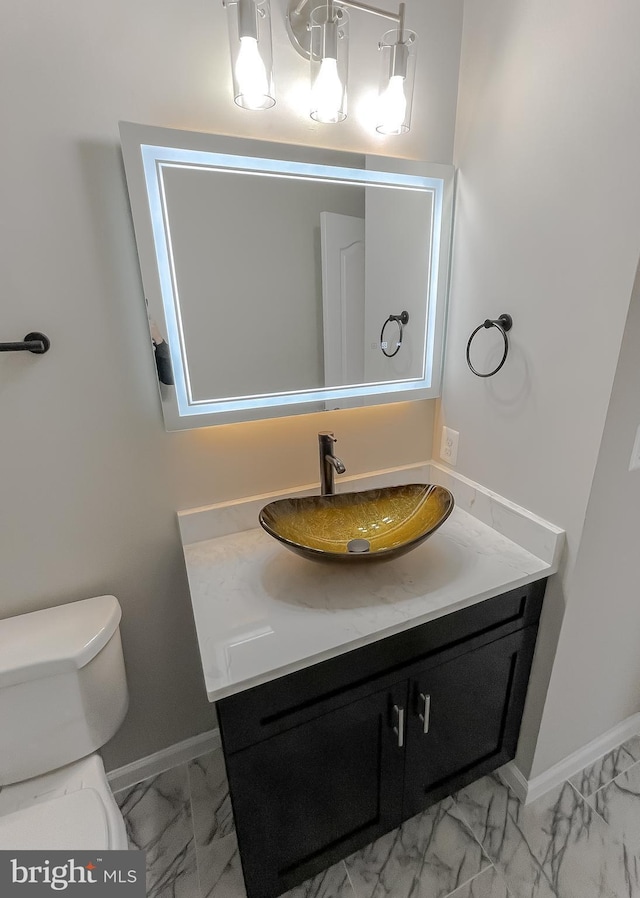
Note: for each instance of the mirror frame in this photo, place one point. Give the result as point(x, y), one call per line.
point(147, 150)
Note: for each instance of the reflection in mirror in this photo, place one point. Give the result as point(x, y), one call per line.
point(270, 271)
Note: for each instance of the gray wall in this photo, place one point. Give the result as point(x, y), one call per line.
point(547, 229)
point(595, 682)
point(397, 278)
point(91, 481)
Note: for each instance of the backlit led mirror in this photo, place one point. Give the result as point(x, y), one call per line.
point(283, 279)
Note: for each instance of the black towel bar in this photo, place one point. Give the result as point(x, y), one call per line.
point(33, 342)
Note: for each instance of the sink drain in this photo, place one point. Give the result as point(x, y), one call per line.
point(358, 546)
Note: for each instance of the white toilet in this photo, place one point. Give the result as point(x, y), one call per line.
point(63, 694)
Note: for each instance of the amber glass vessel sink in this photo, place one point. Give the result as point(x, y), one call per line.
point(358, 527)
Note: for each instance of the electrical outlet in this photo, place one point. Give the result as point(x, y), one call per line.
point(634, 464)
point(449, 445)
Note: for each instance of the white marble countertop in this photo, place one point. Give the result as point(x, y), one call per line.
point(261, 611)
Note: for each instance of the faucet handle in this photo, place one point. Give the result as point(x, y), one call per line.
point(327, 435)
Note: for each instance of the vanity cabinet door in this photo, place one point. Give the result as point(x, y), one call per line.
point(464, 718)
point(308, 797)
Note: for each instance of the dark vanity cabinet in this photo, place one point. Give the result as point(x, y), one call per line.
point(323, 761)
point(474, 705)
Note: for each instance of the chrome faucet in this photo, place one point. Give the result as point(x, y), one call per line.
point(329, 463)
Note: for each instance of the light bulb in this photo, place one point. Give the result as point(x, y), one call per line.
point(251, 75)
point(326, 95)
point(392, 106)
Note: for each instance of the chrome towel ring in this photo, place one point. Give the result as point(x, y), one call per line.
point(401, 320)
point(504, 323)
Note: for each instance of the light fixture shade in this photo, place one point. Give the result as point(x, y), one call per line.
point(397, 78)
point(329, 63)
point(251, 53)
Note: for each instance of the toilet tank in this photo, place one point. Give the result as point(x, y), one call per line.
point(63, 689)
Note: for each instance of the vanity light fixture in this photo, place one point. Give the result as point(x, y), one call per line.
point(395, 98)
point(329, 55)
point(320, 33)
point(251, 56)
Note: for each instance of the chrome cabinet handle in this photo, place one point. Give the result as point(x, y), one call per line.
point(399, 729)
point(426, 710)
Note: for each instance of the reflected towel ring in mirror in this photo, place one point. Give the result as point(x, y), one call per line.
point(504, 323)
point(401, 320)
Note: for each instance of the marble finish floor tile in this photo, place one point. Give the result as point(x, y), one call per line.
point(619, 804)
point(157, 814)
point(556, 847)
point(488, 884)
point(229, 881)
point(429, 856)
point(331, 883)
point(607, 768)
point(213, 825)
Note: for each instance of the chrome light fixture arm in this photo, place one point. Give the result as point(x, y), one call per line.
point(365, 7)
point(298, 20)
point(377, 11)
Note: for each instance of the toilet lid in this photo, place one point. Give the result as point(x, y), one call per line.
point(76, 821)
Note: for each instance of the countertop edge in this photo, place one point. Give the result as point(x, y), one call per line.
point(218, 693)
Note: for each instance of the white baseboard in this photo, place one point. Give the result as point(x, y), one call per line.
point(512, 776)
point(172, 756)
point(528, 790)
